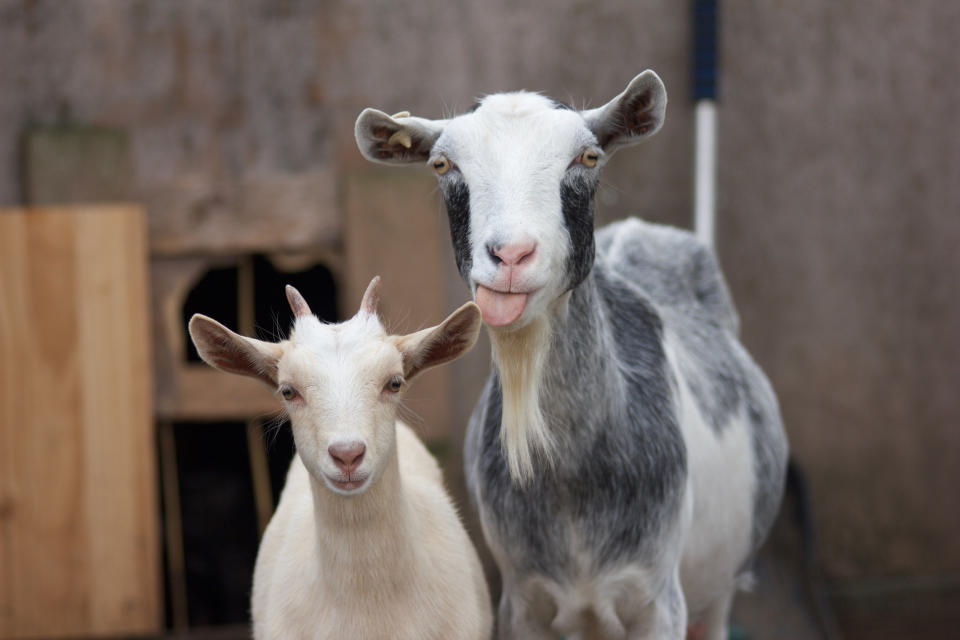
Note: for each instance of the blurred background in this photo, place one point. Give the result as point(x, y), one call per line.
point(163, 158)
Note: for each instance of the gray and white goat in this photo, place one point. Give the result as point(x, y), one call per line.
point(627, 455)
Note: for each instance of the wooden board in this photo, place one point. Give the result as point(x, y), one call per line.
point(78, 513)
point(205, 394)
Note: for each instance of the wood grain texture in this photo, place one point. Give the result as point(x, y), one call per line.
point(205, 394)
point(78, 513)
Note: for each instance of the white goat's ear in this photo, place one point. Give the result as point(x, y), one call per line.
point(225, 350)
point(397, 139)
point(631, 117)
point(445, 342)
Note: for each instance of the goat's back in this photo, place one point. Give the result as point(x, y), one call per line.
point(668, 266)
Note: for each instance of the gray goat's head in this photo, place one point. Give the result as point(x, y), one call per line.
point(519, 174)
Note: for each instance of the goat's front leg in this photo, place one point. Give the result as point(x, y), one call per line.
point(713, 624)
point(669, 615)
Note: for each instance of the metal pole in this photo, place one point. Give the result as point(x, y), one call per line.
point(705, 14)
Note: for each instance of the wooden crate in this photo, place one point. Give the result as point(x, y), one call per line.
point(78, 497)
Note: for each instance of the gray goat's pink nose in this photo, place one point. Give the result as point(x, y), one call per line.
point(513, 254)
point(348, 455)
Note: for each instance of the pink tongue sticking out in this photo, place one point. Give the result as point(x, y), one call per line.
point(500, 309)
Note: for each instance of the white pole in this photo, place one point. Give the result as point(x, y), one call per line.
point(705, 171)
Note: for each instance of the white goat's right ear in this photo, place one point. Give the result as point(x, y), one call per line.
point(633, 116)
point(397, 139)
point(225, 350)
point(445, 342)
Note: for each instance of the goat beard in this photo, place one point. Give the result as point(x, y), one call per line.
point(521, 358)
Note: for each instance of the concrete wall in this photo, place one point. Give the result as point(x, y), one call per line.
point(838, 225)
point(839, 232)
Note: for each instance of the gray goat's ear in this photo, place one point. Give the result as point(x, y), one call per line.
point(397, 139)
point(228, 351)
point(445, 342)
point(631, 117)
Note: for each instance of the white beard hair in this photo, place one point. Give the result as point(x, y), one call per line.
point(521, 357)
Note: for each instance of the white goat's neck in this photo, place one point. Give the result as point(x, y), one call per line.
point(363, 536)
point(554, 385)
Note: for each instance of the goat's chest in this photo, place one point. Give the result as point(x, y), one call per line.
point(611, 504)
point(325, 614)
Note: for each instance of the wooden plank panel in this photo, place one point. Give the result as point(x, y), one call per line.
point(203, 393)
point(40, 390)
point(77, 492)
point(118, 421)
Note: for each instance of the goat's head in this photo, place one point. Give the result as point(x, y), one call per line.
point(340, 384)
point(519, 174)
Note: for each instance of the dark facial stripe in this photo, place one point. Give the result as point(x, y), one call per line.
point(457, 196)
point(577, 201)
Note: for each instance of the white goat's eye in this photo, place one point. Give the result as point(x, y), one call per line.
point(440, 164)
point(394, 384)
point(289, 393)
point(589, 157)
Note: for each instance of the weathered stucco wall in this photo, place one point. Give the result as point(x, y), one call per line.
point(838, 225)
point(840, 234)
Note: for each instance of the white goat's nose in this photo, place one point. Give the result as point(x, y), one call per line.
point(347, 455)
point(512, 254)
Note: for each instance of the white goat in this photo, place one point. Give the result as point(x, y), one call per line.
point(627, 456)
point(365, 542)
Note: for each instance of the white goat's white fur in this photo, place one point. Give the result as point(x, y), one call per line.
point(385, 557)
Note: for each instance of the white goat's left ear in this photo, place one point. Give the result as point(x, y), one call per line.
point(445, 342)
point(228, 351)
point(631, 117)
point(396, 139)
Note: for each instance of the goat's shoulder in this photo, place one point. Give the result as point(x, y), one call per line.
point(423, 484)
point(670, 265)
point(284, 546)
point(451, 563)
point(296, 501)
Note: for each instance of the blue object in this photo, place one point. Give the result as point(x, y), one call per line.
point(705, 38)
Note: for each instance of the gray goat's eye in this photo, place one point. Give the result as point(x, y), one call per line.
point(394, 384)
point(589, 157)
point(441, 164)
point(289, 393)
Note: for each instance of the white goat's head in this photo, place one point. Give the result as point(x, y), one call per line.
point(340, 384)
point(519, 174)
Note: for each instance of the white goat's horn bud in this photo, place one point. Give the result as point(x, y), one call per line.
point(401, 114)
point(401, 137)
point(297, 304)
point(371, 297)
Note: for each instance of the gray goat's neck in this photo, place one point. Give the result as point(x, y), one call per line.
point(363, 535)
point(581, 381)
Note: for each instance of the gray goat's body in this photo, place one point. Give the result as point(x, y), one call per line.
point(627, 456)
point(670, 452)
